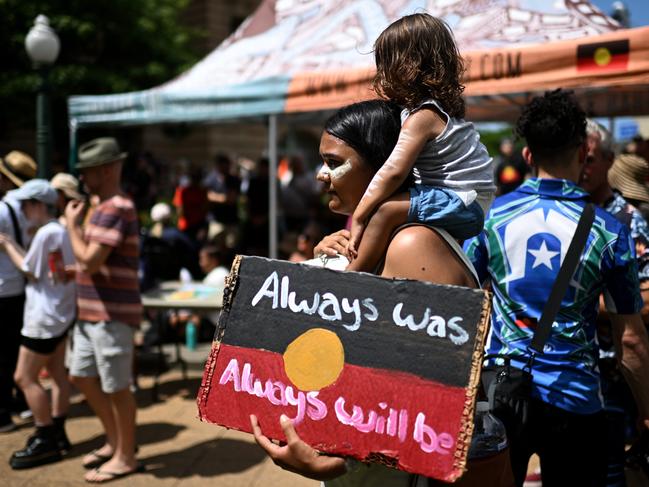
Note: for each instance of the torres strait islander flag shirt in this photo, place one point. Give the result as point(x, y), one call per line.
point(527, 233)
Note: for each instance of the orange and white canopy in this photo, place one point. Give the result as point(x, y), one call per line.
point(308, 55)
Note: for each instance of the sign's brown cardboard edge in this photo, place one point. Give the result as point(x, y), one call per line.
point(466, 429)
point(231, 284)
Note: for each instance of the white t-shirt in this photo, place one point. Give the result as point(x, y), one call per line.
point(216, 277)
point(49, 307)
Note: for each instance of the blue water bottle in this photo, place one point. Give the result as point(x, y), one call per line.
point(190, 335)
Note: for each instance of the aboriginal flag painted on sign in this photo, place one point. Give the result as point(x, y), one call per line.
point(603, 56)
point(374, 368)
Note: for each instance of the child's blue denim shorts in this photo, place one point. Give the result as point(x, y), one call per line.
point(441, 207)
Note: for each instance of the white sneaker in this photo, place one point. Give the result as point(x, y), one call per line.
point(26, 414)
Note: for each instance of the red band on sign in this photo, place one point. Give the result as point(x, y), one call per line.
point(364, 408)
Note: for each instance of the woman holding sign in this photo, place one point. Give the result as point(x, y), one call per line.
point(355, 143)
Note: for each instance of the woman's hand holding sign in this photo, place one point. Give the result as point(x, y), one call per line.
point(296, 456)
point(333, 244)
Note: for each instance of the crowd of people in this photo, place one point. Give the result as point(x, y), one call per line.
point(226, 206)
point(75, 254)
point(67, 262)
point(413, 182)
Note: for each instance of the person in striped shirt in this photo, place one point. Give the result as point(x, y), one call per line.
point(109, 306)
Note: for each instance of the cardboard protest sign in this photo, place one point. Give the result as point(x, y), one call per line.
point(377, 369)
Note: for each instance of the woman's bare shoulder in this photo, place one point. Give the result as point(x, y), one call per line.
point(419, 252)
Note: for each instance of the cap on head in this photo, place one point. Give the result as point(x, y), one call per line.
point(68, 184)
point(18, 167)
point(98, 152)
point(36, 189)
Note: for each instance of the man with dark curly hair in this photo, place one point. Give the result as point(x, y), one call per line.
point(525, 239)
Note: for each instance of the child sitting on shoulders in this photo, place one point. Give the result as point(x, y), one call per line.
point(419, 67)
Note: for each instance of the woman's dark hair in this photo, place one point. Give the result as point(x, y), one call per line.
point(417, 59)
point(371, 128)
point(552, 124)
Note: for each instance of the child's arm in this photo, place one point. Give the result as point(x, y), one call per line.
point(14, 251)
point(419, 128)
point(390, 214)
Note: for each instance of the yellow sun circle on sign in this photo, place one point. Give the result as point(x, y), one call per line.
point(602, 56)
point(314, 360)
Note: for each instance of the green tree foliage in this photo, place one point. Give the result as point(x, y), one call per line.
point(492, 138)
point(107, 46)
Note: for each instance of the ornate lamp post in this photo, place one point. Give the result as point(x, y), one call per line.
point(621, 13)
point(43, 46)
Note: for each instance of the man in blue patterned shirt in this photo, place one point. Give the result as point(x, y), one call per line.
point(526, 236)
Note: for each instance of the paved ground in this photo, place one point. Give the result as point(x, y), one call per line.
point(176, 448)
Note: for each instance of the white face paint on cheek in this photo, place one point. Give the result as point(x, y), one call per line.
point(324, 172)
point(341, 170)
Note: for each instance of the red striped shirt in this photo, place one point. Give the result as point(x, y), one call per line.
point(113, 292)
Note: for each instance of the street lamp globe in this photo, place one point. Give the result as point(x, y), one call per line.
point(620, 12)
point(43, 46)
point(42, 43)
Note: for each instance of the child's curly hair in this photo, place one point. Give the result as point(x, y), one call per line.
point(417, 59)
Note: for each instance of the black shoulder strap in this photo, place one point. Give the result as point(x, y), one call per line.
point(18, 235)
point(560, 285)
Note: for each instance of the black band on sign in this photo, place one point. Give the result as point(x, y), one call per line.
point(407, 326)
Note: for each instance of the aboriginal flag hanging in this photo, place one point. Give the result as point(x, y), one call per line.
point(377, 369)
point(603, 56)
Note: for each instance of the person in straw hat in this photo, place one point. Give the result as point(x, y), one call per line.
point(628, 175)
point(109, 309)
point(15, 168)
point(67, 188)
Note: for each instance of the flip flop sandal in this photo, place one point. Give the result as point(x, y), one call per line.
point(110, 476)
point(100, 459)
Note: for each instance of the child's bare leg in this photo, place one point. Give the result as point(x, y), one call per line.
point(388, 216)
point(60, 383)
point(29, 365)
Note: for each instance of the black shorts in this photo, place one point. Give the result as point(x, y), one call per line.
point(43, 346)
